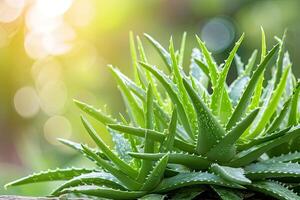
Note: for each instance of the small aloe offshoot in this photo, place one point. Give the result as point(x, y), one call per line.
point(195, 135)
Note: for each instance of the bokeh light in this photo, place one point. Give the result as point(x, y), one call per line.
point(57, 127)
point(26, 102)
point(10, 10)
point(218, 33)
point(53, 97)
point(48, 33)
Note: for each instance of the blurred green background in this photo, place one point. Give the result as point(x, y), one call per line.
point(52, 51)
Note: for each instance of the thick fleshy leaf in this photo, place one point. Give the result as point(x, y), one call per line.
point(78, 147)
point(103, 192)
point(293, 117)
point(153, 197)
point(157, 136)
point(210, 130)
point(212, 66)
point(279, 61)
point(239, 64)
point(182, 49)
point(122, 177)
point(161, 51)
point(168, 143)
point(51, 175)
point(95, 113)
point(122, 145)
point(225, 150)
point(159, 112)
point(156, 174)
point(220, 102)
point(178, 74)
point(279, 118)
point(290, 157)
point(107, 151)
point(133, 106)
point(274, 189)
point(188, 193)
point(190, 160)
point(247, 156)
point(246, 97)
point(250, 64)
point(271, 108)
point(236, 89)
point(247, 144)
point(148, 142)
point(172, 91)
point(263, 170)
point(193, 178)
point(94, 178)
point(259, 87)
point(235, 175)
point(134, 59)
point(198, 68)
point(226, 193)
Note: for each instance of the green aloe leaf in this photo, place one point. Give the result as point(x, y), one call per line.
point(279, 61)
point(236, 89)
point(122, 145)
point(103, 192)
point(157, 136)
point(50, 175)
point(226, 194)
point(150, 79)
point(246, 97)
point(178, 73)
point(250, 64)
point(293, 117)
point(259, 87)
point(188, 193)
point(190, 160)
point(161, 51)
point(107, 151)
point(247, 156)
point(153, 197)
point(268, 112)
point(93, 178)
point(212, 66)
point(134, 108)
point(156, 174)
point(290, 157)
point(95, 113)
point(133, 53)
point(247, 144)
point(78, 147)
point(122, 177)
point(220, 102)
point(198, 68)
point(263, 170)
point(172, 91)
point(239, 64)
point(210, 130)
point(168, 143)
point(148, 142)
point(280, 117)
point(225, 150)
point(235, 175)
point(274, 189)
point(193, 178)
point(182, 48)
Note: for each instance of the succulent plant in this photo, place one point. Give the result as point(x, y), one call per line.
point(192, 134)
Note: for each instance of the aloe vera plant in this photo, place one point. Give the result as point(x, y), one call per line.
point(191, 134)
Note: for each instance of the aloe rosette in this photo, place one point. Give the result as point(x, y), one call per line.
point(192, 134)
